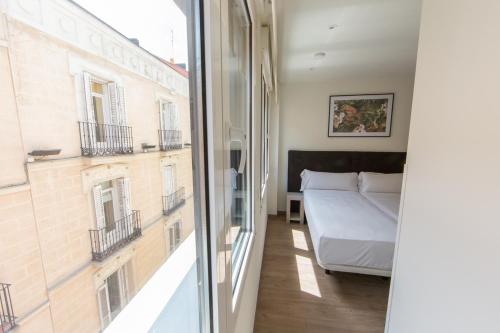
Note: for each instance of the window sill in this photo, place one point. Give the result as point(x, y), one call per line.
point(237, 292)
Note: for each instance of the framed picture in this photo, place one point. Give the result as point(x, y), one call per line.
point(361, 115)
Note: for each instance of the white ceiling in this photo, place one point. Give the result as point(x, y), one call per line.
point(373, 38)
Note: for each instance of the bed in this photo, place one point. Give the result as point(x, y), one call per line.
point(351, 231)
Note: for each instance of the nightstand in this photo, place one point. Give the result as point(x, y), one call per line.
point(294, 216)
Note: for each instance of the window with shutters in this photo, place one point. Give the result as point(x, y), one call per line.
point(170, 128)
point(114, 293)
point(169, 181)
point(169, 114)
point(104, 101)
point(174, 236)
point(116, 223)
point(103, 128)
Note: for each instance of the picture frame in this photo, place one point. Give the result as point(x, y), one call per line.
point(362, 115)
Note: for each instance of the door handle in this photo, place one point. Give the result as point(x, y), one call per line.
point(238, 135)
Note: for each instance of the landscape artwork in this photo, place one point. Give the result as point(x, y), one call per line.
point(360, 115)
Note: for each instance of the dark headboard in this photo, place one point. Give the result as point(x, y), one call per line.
point(341, 161)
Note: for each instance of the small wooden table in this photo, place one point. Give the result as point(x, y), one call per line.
point(294, 216)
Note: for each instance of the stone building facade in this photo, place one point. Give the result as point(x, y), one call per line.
point(84, 228)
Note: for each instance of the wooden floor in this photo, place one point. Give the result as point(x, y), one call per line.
point(296, 295)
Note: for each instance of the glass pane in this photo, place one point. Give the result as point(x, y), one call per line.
point(239, 113)
point(142, 47)
point(114, 294)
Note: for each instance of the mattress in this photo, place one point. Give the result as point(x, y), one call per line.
point(386, 202)
point(346, 229)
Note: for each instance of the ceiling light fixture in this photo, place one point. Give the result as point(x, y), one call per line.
point(333, 26)
point(319, 55)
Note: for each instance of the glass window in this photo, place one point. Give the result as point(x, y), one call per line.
point(113, 295)
point(104, 218)
point(175, 236)
point(239, 149)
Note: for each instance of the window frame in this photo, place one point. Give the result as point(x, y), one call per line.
point(264, 146)
point(244, 240)
point(123, 275)
point(171, 234)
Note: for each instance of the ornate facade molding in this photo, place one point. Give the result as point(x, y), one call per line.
point(67, 21)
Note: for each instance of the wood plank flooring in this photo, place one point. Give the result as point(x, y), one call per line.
point(295, 294)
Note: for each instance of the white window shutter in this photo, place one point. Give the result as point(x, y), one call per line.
point(177, 233)
point(169, 179)
point(171, 239)
point(122, 113)
point(113, 103)
point(124, 193)
point(104, 308)
point(176, 118)
point(99, 207)
point(87, 89)
point(171, 116)
point(162, 115)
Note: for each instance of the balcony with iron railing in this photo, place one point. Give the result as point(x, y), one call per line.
point(173, 201)
point(170, 139)
point(109, 239)
point(103, 139)
point(7, 318)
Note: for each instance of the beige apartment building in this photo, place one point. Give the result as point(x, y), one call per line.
point(95, 167)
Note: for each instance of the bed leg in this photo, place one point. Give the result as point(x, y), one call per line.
point(327, 271)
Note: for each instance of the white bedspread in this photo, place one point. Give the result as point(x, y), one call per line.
point(348, 230)
point(386, 202)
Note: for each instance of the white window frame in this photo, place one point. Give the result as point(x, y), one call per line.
point(120, 194)
point(264, 146)
point(113, 100)
point(169, 116)
point(165, 180)
point(174, 240)
point(124, 288)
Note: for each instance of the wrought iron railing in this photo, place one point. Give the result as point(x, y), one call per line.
point(170, 139)
point(7, 318)
point(102, 139)
point(109, 239)
point(173, 201)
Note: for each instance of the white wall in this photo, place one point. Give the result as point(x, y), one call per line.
point(447, 268)
point(304, 119)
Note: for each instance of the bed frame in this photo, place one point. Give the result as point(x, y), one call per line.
point(343, 161)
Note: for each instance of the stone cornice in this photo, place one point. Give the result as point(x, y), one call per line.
point(67, 21)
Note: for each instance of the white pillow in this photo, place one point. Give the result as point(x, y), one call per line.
point(329, 181)
point(380, 182)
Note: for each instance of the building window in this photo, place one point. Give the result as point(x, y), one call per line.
point(170, 132)
point(174, 236)
point(239, 117)
point(169, 116)
point(111, 202)
point(103, 127)
point(169, 179)
point(105, 102)
point(115, 293)
point(116, 223)
point(264, 162)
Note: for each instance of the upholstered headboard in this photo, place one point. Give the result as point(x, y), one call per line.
point(341, 161)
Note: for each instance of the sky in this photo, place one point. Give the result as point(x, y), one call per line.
point(153, 22)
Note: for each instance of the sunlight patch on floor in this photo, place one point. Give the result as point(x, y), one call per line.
point(299, 240)
point(307, 277)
